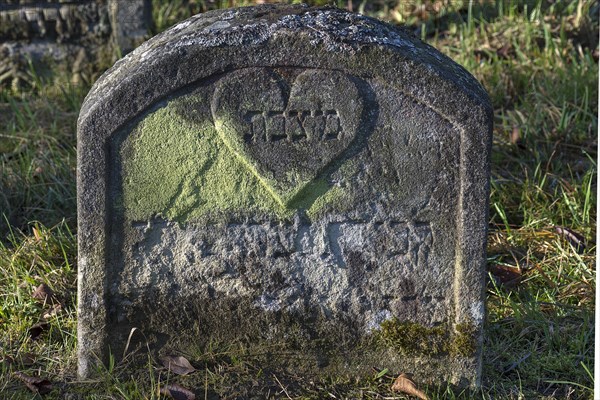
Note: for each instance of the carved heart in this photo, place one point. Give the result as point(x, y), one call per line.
point(289, 125)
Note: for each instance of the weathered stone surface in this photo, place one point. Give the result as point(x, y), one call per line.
point(310, 181)
point(73, 35)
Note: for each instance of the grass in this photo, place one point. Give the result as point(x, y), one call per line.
point(539, 62)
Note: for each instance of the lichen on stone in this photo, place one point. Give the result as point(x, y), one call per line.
point(182, 171)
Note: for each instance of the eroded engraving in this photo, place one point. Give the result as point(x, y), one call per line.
point(293, 126)
point(334, 243)
point(275, 263)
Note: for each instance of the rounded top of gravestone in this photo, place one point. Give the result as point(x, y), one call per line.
point(276, 35)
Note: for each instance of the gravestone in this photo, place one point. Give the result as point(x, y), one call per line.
point(308, 182)
point(73, 35)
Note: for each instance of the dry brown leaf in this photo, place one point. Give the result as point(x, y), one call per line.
point(37, 329)
point(504, 51)
point(35, 384)
point(44, 294)
point(56, 309)
point(177, 392)
point(405, 384)
point(506, 275)
point(24, 359)
point(177, 364)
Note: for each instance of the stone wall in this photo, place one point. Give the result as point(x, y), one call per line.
point(79, 36)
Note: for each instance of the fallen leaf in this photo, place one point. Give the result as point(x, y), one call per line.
point(177, 392)
point(7, 361)
point(44, 294)
point(56, 309)
point(26, 359)
point(35, 384)
point(37, 329)
point(504, 51)
point(577, 240)
point(177, 364)
point(405, 384)
point(506, 275)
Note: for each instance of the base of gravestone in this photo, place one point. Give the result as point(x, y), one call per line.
point(325, 350)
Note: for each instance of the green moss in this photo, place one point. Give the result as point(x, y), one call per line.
point(340, 198)
point(227, 132)
point(413, 339)
point(186, 171)
point(297, 192)
point(331, 196)
point(183, 171)
point(464, 342)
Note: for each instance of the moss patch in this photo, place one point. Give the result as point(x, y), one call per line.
point(464, 342)
point(334, 195)
point(297, 192)
point(228, 134)
point(341, 198)
point(412, 339)
point(182, 171)
point(185, 171)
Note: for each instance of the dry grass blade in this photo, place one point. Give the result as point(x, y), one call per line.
point(405, 384)
point(177, 364)
point(177, 392)
point(576, 239)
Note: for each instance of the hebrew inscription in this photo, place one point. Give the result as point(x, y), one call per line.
point(406, 242)
point(315, 125)
point(336, 260)
point(300, 122)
